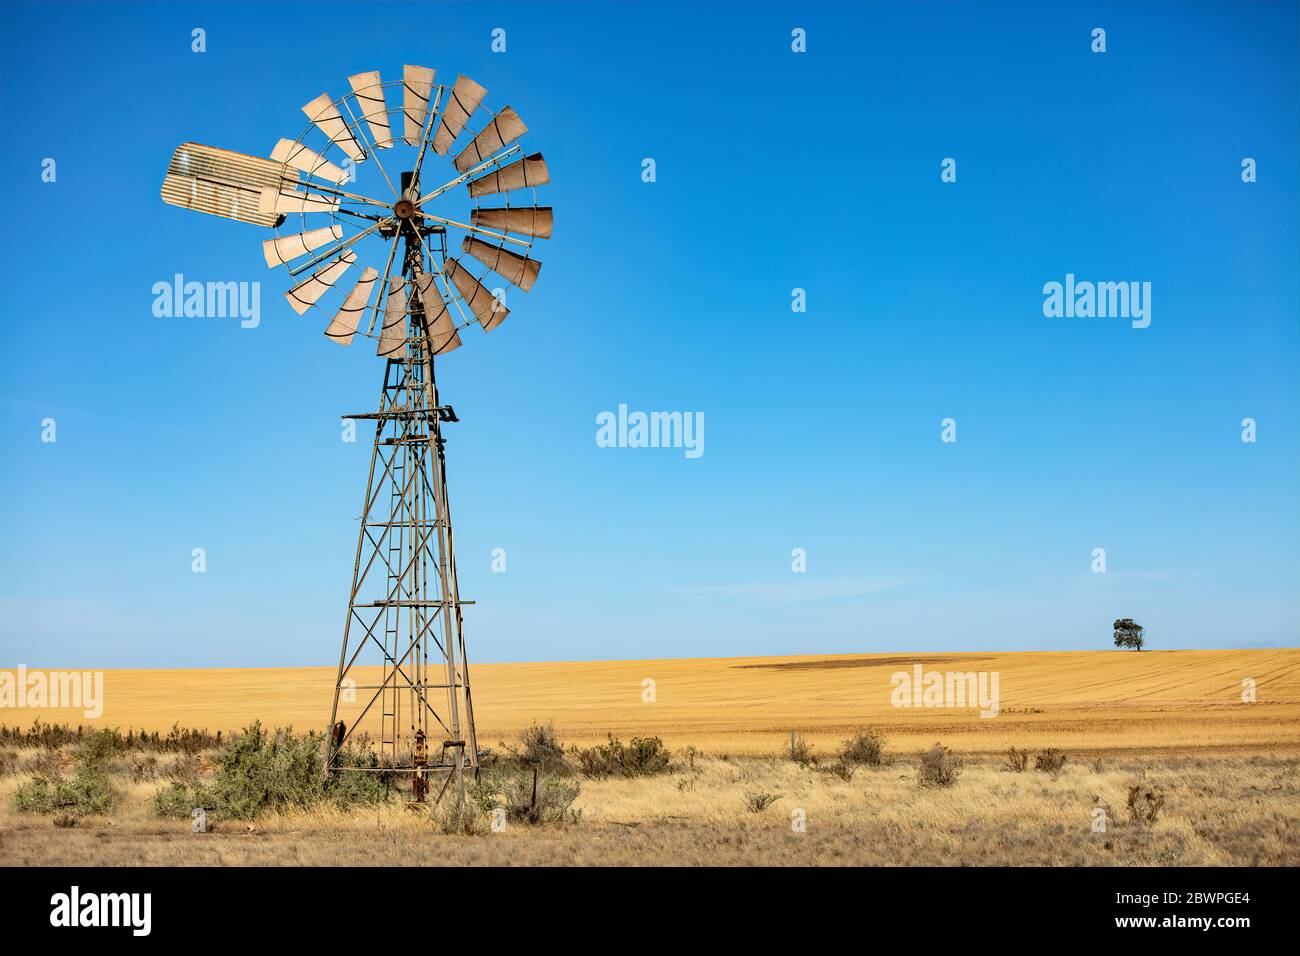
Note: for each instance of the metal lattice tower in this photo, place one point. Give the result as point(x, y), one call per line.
point(403, 658)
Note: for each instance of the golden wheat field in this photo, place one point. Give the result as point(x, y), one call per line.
point(1094, 701)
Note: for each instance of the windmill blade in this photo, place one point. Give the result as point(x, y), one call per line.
point(392, 338)
point(344, 324)
point(308, 160)
point(465, 98)
point(482, 303)
point(516, 269)
point(525, 220)
point(522, 173)
point(505, 128)
point(443, 336)
point(275, 200)
point(417, 82)
point(325, 115)
point(304, 295)
point(221, 182)
point(283, 250)
point(369, 89)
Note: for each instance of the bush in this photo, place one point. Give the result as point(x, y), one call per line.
point(940, 767)
point(359, 781)
point(865, 749)
point(642, 757)
point(179, 801)
point(98, 748)
point(1050, 760)
point(539, 747)
point(1144, 804)
point(801, 752)
point(758, 802)
point(8, 761)
point(87, 792)
point(528, 796)
point(456, 817)
point(172, 800)
point(1017, 761)
point(259, 772)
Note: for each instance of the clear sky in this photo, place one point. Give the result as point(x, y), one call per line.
point(775, 171)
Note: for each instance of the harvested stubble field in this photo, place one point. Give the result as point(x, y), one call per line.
point(1168, 723)
point(1096, 701)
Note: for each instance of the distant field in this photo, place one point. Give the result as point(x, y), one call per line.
point(1085, 701)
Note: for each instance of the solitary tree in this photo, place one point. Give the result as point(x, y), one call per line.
point(1128, 633)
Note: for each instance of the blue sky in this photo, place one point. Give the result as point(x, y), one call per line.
point(775, 170)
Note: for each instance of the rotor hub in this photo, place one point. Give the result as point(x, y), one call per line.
point(404, 209)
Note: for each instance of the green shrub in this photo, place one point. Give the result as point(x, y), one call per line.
point(88, 791)
point(98, 748)
point(259, 772)
point(359, 780)
point(940, 767)
point(172, 800)
point(642, 757)
point(179, 800)
point(528, 796)
point(456, 817)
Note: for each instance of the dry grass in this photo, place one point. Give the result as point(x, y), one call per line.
point(1094, 701)
point(1217, 811)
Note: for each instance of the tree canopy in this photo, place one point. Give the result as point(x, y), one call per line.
point(1128, 633)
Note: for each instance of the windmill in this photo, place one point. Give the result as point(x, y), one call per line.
point(380, 268)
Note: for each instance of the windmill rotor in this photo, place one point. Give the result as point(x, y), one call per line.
point(330, 233)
